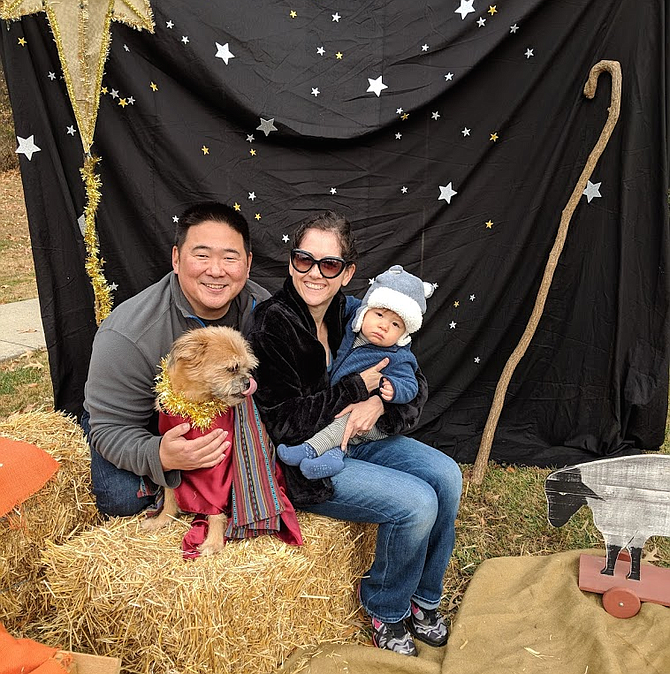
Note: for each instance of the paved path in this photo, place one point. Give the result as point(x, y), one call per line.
point(20, 328)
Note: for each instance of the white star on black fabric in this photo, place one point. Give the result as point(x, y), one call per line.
point(252, 196)
point(184, 39)
point(376, 86)
point(333, 190)
point(267, 126)
point(465, 132)
point(175, 218)
point(250, 138)
point(446, 193)
point(592, 190)
point(513, 29)
point(52, 76)
point(477, 359)
point(114, 93)
point(71, 131)
point(320, 51)
point(481, 21)
point(223, 52)
point(403, 189)
point(452, 325)
point(125, 46)
point(315, 92)
point(529, 53)
point(285, 238)
point(465, 8)
point(435, 115)
point(131, 100)
point(398, 136)
point(472, 298)
point(27, 147)
point(169, 24)
point(449, 76)
point(113, 286)
point(425, 47)
point(336, 17)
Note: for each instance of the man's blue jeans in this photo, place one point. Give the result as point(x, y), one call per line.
point(413, 492)
point(115, 489)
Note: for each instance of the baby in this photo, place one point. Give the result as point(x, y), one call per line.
point(391, 310)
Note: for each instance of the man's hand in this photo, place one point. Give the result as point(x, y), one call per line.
point(177, 453)
point(362, 417)
point(373, 375)
point(386, 390)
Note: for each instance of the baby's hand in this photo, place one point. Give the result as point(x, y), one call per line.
point(386, 390)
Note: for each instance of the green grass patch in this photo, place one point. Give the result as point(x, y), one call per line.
point(25, 384)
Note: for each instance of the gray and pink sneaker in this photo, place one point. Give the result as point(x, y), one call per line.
point(428, 626)
point(393, 637)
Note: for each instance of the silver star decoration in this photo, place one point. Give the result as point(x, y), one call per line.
point(131, 100)
point(452, 325)
point(52, 76)
point(399, 111)
point(403, 189)
point(333, 190)
point(71, 131)
point(169, 23)
point(529, 53)
point(27, 147)
point(113, 286)
point(250, 138)
point(114, 93)
point(398, 136)
point(446, 193)
point(472, 298)
point(465, 132)
point(370, 281)
point(514, 28)
point(477, 359)
point(320, 51)
point(376, 86)
point(252, 196)
point(184, 39)
point(449, 77)
point(315, 92)
point(175, 218)
point(481, 21)
point(267, 126)
point(435, 286)
point(465, 8)
point(125, 46)
point(336, 17)
point(285, 238)
point(425, 47)
point(223, 52)
point(435, 115)
point(592, 190)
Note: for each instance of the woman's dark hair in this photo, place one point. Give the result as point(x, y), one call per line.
point(217, 212)
point(329, 221)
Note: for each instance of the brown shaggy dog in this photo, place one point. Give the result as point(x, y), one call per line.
point(207, 364)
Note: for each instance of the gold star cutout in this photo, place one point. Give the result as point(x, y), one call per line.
point(252, 152)
point(236, 206)
point(456, 303)
point(492, 9)
point(257, 216)
point(154, 86)
point(293, 14)
point(489, 224)
point(205, 149)
point(123, 102)
point(494, 137)
point(339, 55)
point(405, 116)
point(103, 90)
point(22, 41)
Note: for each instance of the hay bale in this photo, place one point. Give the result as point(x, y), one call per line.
point(124, 592)
point(56, 512)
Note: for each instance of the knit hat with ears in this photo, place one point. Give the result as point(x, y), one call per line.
point(398, 291)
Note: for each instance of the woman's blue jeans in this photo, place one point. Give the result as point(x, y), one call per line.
point(413, 492)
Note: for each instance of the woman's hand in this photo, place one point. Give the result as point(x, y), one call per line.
point(372, 376)
point(362, 417)
point(178, 453)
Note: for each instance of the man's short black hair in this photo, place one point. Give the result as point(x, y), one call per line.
point(216, 212)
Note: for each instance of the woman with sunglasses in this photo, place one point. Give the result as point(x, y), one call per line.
point(411, 490)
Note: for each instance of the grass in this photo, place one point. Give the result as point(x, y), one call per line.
point(25, 384)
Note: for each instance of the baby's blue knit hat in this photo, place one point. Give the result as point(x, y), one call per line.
point(399, 291)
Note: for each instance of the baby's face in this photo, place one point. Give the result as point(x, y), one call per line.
point(382, 327)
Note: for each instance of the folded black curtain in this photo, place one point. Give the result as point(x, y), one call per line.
point(451, 134)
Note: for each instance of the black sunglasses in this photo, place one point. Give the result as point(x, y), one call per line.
point(330, 267)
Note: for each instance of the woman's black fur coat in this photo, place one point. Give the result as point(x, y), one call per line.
point(294, 394)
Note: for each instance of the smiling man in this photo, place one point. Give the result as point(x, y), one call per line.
point(209, 285)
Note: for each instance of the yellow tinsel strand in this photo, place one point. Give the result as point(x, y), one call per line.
point(101, 290)
point(200, 415)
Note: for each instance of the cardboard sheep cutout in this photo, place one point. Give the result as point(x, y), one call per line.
point(630, 500)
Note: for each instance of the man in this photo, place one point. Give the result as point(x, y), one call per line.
point(209, 285)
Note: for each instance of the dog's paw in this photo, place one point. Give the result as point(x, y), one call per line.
point(156, 523)
point(209, 548)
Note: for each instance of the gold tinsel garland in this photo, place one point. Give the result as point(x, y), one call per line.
point(94, 263)
point(200, 415)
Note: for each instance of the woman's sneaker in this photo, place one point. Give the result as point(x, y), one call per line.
point(428, 626)
point(393, 637)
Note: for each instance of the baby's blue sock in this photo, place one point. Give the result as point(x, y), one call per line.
point(292, 455)
point(329, 463)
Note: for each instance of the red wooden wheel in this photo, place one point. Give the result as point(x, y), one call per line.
point(621, 602)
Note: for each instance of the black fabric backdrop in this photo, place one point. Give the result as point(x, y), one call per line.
point(484, 107)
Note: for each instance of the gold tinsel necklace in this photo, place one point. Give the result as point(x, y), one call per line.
point(200, 415)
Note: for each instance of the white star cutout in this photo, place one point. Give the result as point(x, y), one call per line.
point(250, 138)
point(285, 238)
point(592, 190)
point(315, 92)
point(514, 28)
point(184, 39)
point(125, 46)
point(113, 286)
point(252, 196)
point(435, 115)
point(131, 100)
point(333, 190)
point(223, 52)
point(71, 131)
point(336, 17)
point(399, 111)
point(370, 281)
point(465, 132)
point(472, 298)
point(529, 53)
point(449, 77)
point(477, 359)
point(398, 136)
point(425, 47)
point(52, 76)
point(175, 218)
point(403, 189)
point(435, 286)
point(266, 126)
point(465, 8)
point(376, 86)
point(27, 147)
point(169, 23)
point(114, 93)
point(446, 193)
point(452, 325)
point(481, 21)
point(320, 51)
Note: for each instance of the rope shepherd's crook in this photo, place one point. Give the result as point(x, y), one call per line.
point(614, 68)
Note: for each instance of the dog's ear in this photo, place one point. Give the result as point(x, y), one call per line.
point(187, 348)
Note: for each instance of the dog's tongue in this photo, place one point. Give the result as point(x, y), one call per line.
point(252, 387)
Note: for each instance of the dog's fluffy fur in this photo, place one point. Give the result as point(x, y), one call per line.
point(203, 365)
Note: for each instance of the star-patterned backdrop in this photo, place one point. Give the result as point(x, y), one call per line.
point(450, 133)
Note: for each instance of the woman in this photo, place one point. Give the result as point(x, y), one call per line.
point(411, 490)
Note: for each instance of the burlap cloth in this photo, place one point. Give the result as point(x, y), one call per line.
point(522, 614)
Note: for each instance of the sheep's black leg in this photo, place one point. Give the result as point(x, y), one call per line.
point(612, 554)
point(635, 556)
